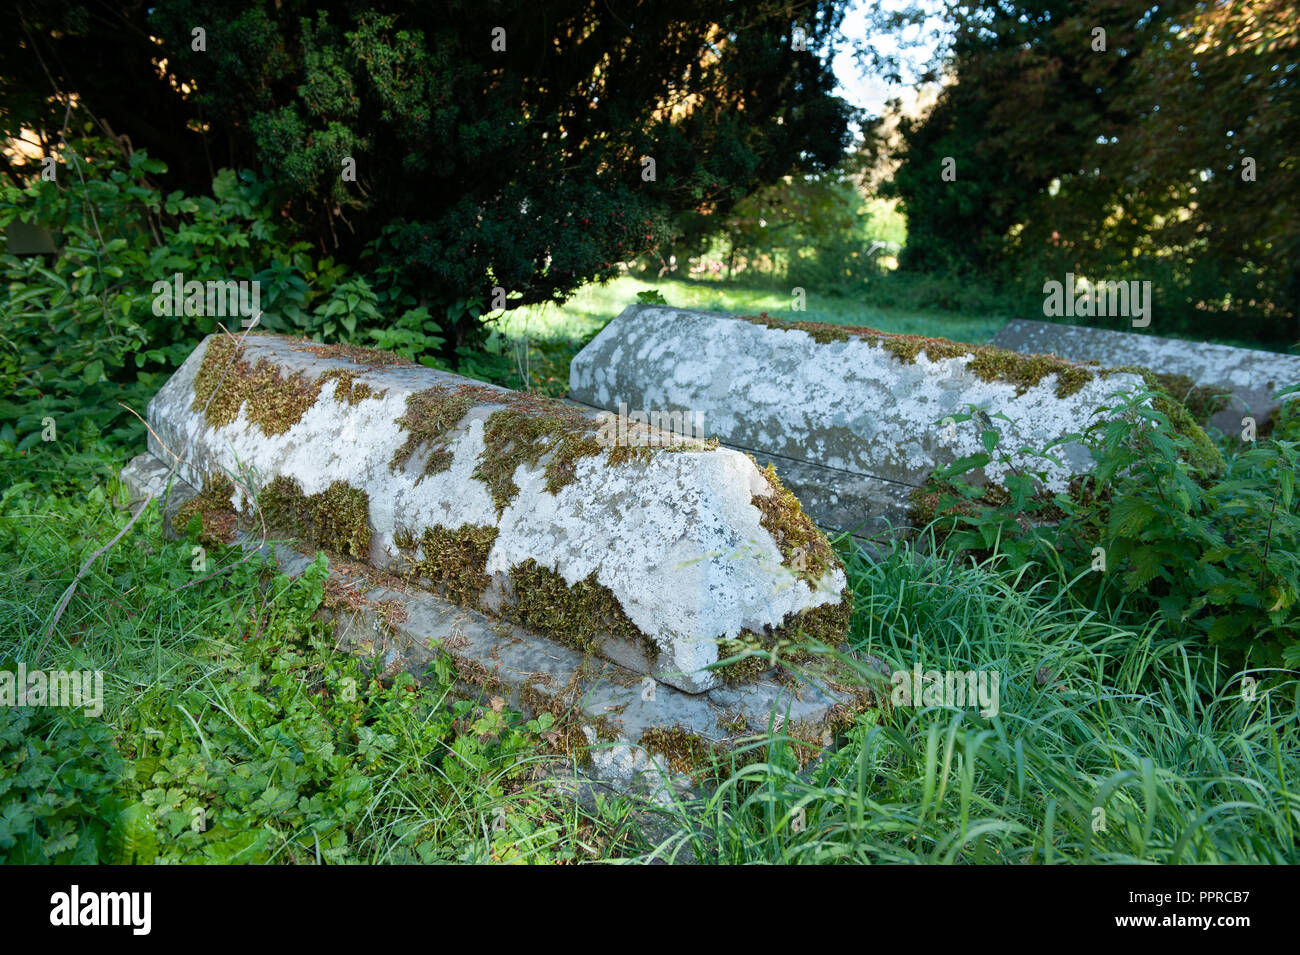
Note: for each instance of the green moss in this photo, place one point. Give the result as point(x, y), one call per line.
point(987, 362)
point(429, 416)
point(349, 390)
point(225, 381)
point(822, 333)
point(685, 752)
point(340, 517)
point(1202, 403)
point(804, 548)
point(337, 519)
point(284, 507)
point(734, 725)
point(826, 625)
point(579, 616)
point(513, 437)
point(217, 516)
point(455, 560)
point(370, 357)
point(749, 668)
point(1026, 371)
point(527, 429)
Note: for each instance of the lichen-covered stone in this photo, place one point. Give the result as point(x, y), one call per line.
point(480, 490)
point(853, 400)
point(1250, 377)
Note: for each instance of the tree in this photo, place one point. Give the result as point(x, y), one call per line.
point(1118, 155)
point(527, 146)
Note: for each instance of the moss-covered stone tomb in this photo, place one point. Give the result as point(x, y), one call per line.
point(663, 557)
point(854, 419)
point(1219, 383)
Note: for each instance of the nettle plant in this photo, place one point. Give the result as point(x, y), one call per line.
point(1213, 551)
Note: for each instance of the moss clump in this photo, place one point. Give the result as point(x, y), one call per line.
point(987, 363)
point(526, 429)
point(284, 507)
point(336, 519)
point(993, 364)
point(225, 381)
point(749, 668)
point(1026, 371)
point(455, 560)
point(430, 415)
point(348, 389)
point(804, 548)
point(825, 625)
point(1202, 403)
point(685, 752)
point(821, 332)
point(579, 616)
point(514, 437)
point(217, 517)
point(734, 725)
point(370, 357)
point(340, 518)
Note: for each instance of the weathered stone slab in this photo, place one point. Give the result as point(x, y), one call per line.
point(841, 399)
point(626, 733)
point(872, 510)
point(662, 559)
point(1250, 376)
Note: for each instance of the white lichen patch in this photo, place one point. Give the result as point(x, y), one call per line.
point(676, 540)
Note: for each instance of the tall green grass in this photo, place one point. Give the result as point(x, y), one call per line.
point(1113, 744)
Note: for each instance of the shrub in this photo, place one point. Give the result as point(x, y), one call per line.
point(1214, 554)
point(81, 338)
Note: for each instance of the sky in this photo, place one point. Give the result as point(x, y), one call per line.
point(871, 93)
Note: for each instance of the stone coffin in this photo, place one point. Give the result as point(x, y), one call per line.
point(1252, 377)
point(618, 732)
point(852, 418)
point(654, 558)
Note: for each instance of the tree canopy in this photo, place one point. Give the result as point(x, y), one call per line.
point(528, 146)
point(1166, 147)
